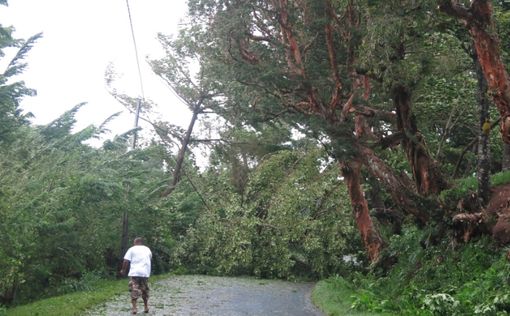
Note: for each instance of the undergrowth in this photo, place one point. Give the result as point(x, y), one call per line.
point(465, 186)
point(335, 297)
point(470, 279)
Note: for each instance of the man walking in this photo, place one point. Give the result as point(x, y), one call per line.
point(139, 258)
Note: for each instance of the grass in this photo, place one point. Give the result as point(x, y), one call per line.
point(334, 297)
point(464, 186)
point(75, 303)
point(500, 178)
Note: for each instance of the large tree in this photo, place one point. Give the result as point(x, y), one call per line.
point(298, 61)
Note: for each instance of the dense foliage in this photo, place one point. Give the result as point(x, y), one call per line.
point(62, 205)
point(470, 279)
point(342, 127)
point(292, 222)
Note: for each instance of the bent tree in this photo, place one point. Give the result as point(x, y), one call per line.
point(194, 92)
point(297, 61)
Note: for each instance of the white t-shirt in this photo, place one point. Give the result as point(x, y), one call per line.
point(139, 257)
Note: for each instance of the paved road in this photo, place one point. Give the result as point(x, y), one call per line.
point(204, 295)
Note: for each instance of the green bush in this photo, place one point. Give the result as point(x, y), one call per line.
point(441, 304)
point(463, 187)
point(440, 280)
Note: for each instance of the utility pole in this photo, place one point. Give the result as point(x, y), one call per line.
point(137, 116)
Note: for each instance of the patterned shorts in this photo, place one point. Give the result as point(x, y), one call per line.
point(138, 286)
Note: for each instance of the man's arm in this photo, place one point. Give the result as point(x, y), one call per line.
point(125, 264)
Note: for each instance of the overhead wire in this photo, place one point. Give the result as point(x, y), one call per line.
point(142, 98)
point(136, 49)
point(137, 114)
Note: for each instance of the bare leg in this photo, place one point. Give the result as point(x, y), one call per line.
point(133, 310)
point(146, 304)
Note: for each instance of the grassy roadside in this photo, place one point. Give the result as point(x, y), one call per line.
point(75, 303)
point(334, 297)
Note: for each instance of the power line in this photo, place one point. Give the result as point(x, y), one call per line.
point(136, 50)
point(137, 112)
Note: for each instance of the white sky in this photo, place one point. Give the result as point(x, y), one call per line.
point(80, 39)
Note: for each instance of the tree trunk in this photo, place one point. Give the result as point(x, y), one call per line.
point(176, 175)
point(479, 23)
point(124, 239)
point(385, 216)
point(371, 238)
point(398, 187)
point(426, 174)
point(9, 295)
point(240, 170)
point(483, 164)
point(505, 164)
point(489, 56)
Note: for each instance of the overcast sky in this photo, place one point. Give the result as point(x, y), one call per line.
point(81, 38)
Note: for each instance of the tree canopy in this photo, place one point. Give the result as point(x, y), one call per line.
point(338, 132)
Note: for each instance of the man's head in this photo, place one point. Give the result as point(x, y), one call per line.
point(138, 241)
